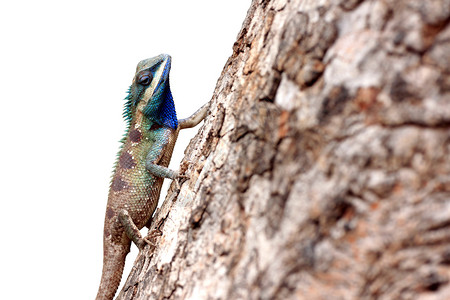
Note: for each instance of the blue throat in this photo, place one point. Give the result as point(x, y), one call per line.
point(161, 110)
point(165, 114)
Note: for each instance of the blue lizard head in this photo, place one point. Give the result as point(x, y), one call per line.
point(150, 92)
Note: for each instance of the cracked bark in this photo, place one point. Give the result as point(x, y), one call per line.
point(323, 169)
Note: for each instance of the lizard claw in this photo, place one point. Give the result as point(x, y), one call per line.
point(183, 177)
point(148, 240)
point(142, 242)
point(176, 175)
point(179, 179)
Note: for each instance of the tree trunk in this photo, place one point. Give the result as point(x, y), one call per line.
point(323, 170)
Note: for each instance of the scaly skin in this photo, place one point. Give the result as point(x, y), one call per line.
point(141, 166)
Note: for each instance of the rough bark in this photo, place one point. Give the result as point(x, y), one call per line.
point(323, 171)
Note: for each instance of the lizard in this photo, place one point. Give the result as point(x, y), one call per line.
point(141, 165)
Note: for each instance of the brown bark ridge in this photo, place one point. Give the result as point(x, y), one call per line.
point(323, 170)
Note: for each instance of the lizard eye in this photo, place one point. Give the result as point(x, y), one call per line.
point(145, 78)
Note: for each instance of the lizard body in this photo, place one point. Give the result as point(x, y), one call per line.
point(141, 165)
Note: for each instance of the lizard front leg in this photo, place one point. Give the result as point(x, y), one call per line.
point(164, 142)
point(158, 156)
point(195, 118)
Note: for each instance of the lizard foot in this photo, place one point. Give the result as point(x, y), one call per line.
point(149, 239)
point(142, 242)
point(179, 180)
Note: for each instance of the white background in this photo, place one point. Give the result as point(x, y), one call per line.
point(65, 68)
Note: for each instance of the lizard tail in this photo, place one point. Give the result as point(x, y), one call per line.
point(113, 263)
